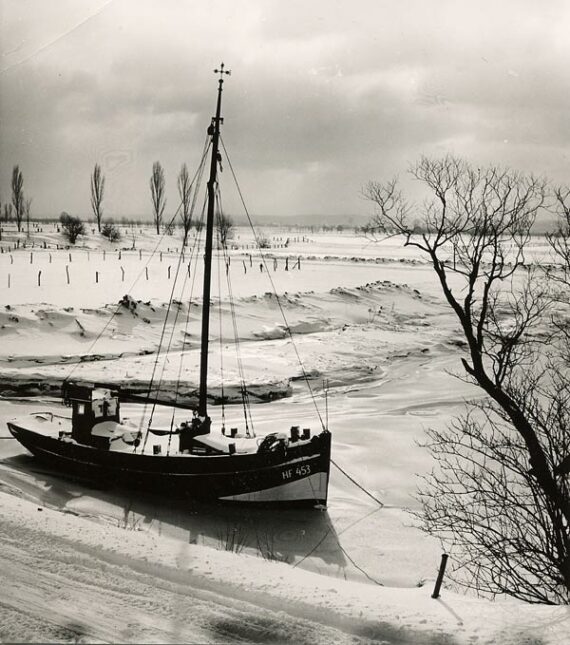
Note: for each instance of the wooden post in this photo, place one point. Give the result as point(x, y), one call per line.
point(169, 273)
point(104, 253)
point(119, 255)
point(146, 272)
point(440, 575)
point(70, 257)
point(11, 259)
point(9, 278)
point(31, 257)
point(140, 254)
point(50, 258)
point(122, 274)
point(96, 277)
point(39, 278)
point(67, 272)
point(161, 256)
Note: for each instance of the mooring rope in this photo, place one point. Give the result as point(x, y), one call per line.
point(357, 484)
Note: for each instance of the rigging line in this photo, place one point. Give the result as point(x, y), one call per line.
point(202, 161)
point(243, 387)
point(199, 174)
point(193, 255)
point(173, 329)
point(262, 254)
point(158, 353)
point(221, 338)
point(120, 304)
point(357, 484)
point(155, 402)
point(150, 257)
point(241, 373)
point(173, 324)
point(236, 338)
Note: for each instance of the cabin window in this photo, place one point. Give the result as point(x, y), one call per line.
point(81, 408)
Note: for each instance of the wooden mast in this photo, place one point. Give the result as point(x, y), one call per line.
point(213, 130)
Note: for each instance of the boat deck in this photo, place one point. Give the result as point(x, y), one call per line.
point(121, 437)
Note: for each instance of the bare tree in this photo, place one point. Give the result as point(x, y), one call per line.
point(72, 227)
point(157, 191)
point(185, 190)
point(18, 195)
point(225, 226)
point(503, 462)
point(8, 212)
point(97, 192)
point(27, 207)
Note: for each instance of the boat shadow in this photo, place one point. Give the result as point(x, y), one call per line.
point(298, 536)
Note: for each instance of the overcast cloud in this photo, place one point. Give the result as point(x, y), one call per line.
point(324, 95)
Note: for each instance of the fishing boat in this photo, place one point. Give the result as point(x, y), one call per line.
point(191, 459)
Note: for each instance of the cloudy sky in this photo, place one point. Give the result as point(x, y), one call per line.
point(324, 95)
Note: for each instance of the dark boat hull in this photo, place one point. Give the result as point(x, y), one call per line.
point(298, 477)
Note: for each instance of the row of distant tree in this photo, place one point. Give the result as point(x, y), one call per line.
point(18, 209)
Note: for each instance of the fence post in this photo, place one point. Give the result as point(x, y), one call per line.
point(122, 274)
point(440, 575)
point(67, 272)
point(146, 272)
point(169, 273)
point(96, 277)
point(39, 278)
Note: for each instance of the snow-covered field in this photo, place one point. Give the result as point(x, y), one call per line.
point(97, 564)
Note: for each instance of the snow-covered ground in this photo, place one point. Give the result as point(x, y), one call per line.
point(101, 565)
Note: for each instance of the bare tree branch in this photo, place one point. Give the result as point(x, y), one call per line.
point(474, 230)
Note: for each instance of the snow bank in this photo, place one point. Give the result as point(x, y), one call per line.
point(115, 566)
